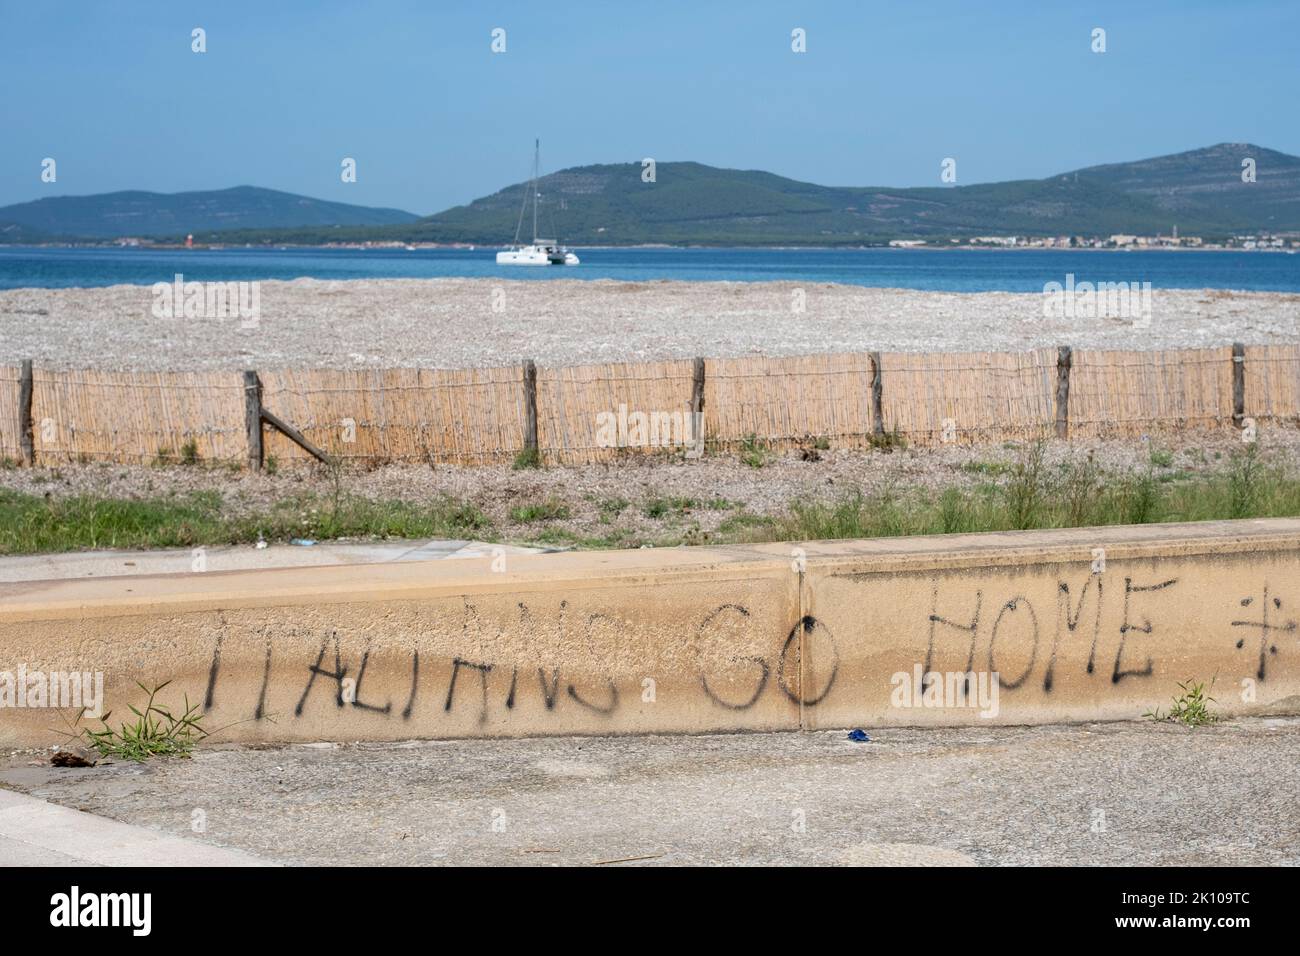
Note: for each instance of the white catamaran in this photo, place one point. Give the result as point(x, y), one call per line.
point(542, 252)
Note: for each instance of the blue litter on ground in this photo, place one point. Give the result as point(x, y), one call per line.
point(859, 735)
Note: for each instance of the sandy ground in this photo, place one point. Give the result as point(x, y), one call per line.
point(656, 501)
point(1136, 793)
point(461, 323)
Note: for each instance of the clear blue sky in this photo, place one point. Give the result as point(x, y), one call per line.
point(412, 91)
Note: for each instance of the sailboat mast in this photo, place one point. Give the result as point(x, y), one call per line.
point(537, 155)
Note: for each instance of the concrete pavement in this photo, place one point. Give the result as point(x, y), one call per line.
point(1136, 793)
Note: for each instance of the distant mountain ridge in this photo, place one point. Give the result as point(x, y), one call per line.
point(1200, 191)
point(137, 213)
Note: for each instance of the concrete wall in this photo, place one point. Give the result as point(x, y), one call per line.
point(746, 638)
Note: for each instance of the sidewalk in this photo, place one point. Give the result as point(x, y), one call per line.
point(36, 833)
point(99, 564)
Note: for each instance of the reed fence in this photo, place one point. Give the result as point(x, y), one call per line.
point(595, 413)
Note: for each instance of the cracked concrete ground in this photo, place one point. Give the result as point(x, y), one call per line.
point(1134, 793)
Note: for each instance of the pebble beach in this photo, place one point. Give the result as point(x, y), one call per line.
point(466, 323)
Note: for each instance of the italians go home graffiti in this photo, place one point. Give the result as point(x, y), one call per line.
point(483, 659)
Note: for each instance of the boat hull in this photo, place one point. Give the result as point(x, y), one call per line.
point(522, 259)
point(536, 257)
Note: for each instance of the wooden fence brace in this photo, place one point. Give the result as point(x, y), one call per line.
point(530, 409)
point(294, 436)
point(253, 418)
point(25, 441)
point(1238, 383)
point(877, 396)
point(1064, 361)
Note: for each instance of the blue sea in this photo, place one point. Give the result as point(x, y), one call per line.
point(954, 270)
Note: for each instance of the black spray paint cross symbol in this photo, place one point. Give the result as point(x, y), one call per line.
point(1266, 630)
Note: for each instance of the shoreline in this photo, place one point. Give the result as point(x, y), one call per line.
point(473, 247)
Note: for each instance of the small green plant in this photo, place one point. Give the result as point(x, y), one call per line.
point(1027, 490)
point(156, 731)
point(271, 465)
point(552, 509)
point(334, 468)
point(1080, 490)
point(657, 508)
point(1243, 483)
point(1139, 498)
point(1162, 458)
point(991, 468)
point(751, 452)
point(887, 441)
point(743, 523)
point(611, 508)
point(1190, 708)
point(527, 458)
point(190, 453)
point(954, 512)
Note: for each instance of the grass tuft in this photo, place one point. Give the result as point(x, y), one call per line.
point(527, 458)
point(1190, 708)
point(551, 509)
point(752, 451)
point(887, 441)
point(156, 731)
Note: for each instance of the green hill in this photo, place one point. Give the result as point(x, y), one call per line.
point(111, 215)
point(1206, 184)
point(1200, 191)
point(13, 234)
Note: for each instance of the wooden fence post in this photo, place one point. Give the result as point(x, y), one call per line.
point(253, 418)
point(25, 441)
point(1238, 383)
point(530, 412)
point(696, 430)
point(697, 387)
point(877, 396)
point(1064, 361)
